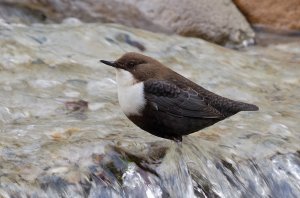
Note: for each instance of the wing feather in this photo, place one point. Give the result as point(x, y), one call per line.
point(169, 98)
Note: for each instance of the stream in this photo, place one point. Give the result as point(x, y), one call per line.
point(63, 133)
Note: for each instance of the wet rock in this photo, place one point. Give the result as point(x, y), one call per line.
point(276, 14)
point(125, 174)
point(80, 105)
point(217, 21)
point(64, 134)
point(127, 39)
point(245, 156)
point(267, 36)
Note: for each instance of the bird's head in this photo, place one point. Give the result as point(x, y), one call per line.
point(136, 66)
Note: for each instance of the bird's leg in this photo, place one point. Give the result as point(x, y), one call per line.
point(178, 141)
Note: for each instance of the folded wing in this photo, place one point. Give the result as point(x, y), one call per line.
point(169, 98)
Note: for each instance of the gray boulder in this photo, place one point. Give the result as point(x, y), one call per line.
point(217, 21)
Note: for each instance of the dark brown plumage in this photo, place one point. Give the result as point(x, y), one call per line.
point(174, 106)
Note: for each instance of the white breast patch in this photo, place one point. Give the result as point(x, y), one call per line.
point(130, 93)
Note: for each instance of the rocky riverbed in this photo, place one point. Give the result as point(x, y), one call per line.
point(64, 135)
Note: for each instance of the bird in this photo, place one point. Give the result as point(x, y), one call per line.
point(164, 103)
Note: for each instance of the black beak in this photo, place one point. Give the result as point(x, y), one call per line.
point(110, 63)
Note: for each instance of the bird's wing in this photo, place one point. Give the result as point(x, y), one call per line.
point(167, 97)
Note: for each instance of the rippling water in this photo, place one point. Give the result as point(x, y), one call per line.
point(53, 145)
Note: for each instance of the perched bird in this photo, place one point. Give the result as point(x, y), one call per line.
point(164, 103)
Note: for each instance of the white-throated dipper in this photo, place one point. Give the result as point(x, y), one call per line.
point(164, 103)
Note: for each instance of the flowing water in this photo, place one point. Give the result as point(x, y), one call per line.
point(63, 133)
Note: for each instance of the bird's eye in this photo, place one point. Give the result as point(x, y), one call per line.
point(131, 64)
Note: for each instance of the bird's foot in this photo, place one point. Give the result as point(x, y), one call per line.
point(177, 139)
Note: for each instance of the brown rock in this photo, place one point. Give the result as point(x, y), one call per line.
point(276, 14)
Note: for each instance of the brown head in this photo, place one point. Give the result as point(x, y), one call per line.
point(140, 66)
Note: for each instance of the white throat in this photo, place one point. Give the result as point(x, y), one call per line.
point(130, 93)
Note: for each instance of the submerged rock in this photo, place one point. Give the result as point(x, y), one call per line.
point(47, 152)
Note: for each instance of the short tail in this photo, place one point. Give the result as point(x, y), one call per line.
point(248, 107)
